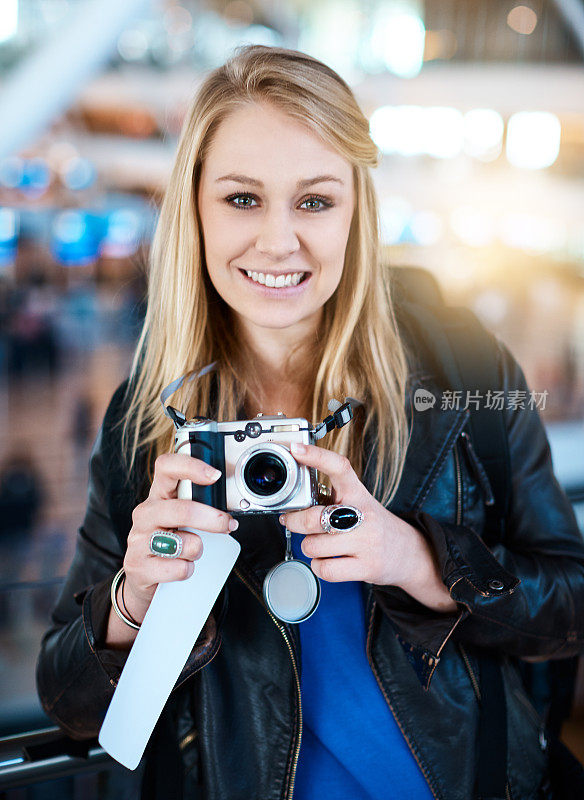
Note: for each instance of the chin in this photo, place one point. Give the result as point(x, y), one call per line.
point(274, 319)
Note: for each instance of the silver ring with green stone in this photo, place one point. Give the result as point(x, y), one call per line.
point(340, 519)
point(166, 544)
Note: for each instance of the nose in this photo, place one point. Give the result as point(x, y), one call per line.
point(276, 237)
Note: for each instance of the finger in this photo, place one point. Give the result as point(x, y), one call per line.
point(337, 467)
point(192, 546)
point(170, 468)
point(138, 558)
point(324, 545)
point(181, 514)
point(164, 570)
point(335, 570)
point(306, 521)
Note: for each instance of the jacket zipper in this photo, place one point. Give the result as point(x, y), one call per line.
point(470, 670)
point(458, 485)
point(290, 790)
point(387, 700)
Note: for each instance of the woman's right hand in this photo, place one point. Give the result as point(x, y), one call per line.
point(163, 511)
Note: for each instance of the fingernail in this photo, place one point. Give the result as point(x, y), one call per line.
point(297, 448)
point(233, 524)
point(213, 473)
point(282, 519)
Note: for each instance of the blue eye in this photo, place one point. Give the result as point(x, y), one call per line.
point(234, 197)
point(323, 203)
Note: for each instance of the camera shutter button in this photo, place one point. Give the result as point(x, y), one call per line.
point(496, 585)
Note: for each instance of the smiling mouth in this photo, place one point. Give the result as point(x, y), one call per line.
point(276, 281)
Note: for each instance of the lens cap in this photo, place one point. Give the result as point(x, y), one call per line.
point(292, 591)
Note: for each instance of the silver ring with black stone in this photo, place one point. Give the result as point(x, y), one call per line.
point(166, 544)
point(340, 519)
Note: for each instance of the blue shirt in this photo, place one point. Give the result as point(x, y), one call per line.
point(352, 748)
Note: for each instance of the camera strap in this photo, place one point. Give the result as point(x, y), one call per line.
point(178, 417)
point(341, 413)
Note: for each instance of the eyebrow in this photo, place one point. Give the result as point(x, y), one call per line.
point(302, 184)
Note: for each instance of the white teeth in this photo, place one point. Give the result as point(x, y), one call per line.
point(290, 279)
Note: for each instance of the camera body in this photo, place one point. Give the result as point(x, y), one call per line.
point(259, 475)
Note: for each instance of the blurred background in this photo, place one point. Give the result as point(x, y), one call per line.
point(478, 109)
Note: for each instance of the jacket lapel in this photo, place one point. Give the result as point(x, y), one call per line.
point(433, 434)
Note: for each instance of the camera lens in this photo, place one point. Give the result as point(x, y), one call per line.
point(265, 474)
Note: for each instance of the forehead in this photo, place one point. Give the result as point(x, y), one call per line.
point(262, 141)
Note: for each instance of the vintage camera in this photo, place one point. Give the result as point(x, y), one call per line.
point(259, 473)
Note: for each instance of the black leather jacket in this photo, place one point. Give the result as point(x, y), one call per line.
point(232, 727)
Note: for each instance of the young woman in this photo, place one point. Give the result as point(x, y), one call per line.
point(266, 260)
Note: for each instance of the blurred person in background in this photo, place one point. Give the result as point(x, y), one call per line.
point(266, 260)
point(21, 495)
point(33, 346)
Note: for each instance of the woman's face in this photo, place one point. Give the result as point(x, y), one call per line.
point(275, 204)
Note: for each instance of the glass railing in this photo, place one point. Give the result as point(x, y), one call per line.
point(60, 768)
point(25, 609)
point(33, 751)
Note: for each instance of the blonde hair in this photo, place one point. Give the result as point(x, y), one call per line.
point(359, 351)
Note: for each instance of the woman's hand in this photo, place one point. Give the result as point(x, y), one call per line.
point(383, 550)
point(163, 511)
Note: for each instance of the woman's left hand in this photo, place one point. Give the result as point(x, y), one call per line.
point(383, 549)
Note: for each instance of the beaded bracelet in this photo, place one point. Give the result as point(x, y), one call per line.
point(129, 620)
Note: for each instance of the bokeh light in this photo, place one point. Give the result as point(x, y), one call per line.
point(8, 19)
point(412, 130)
point(9, 228)
point(522, 19)
point(397, 39)
point(472, 226)
point(483, 133)
point(78, 174)
point(533, 139)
